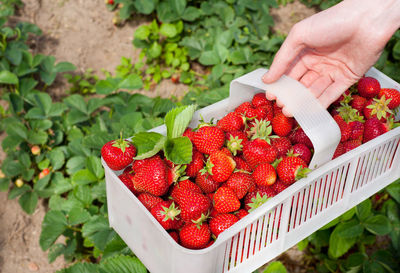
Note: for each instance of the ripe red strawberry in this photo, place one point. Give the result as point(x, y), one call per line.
point(213, 212)
point(246, 109)
point(339, 150)
point(277, 109)
point(44, 173)
point(259, 99)
point(282, 145)
point(264, 174)
point(240, 183)
point(298, 136)
point(126, 178)
point(222, 222)
point(345, 97)
point(195, 236)
point(241, 164)
point(137, 164)
point(259, 151)
point(189, 133)
point(377, 108)
point(149, 200)
point(241, 213)
point(206, 183)
point(225, 200)
point(351, 144)
point(184, 184)
point(345, 130)
point(129, 170)
point(358, 103)
point(357, 130)
point(175, 235)
point(231, 122)
point(174, 173)
point(196, 164)
point(255, 199)
point(193, 205)
point(235, 141)
point(220, 166)
point(167, 214)
point(260, 129)
point(282, 125)
point(368, 87)
point(291, 168)
point(209, 139)
point(393, 94)
point(302, 151)
point(118, 153)
point(372, 129)
point(279, 187)
point(152, 177)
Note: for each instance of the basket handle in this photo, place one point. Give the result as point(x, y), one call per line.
point(315, 120)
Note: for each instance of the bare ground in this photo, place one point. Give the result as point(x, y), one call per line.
point(81, 32)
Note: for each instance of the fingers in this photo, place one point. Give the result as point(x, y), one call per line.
point(309, 78)
point(320, 85)
point(297, 70)
point(289, 50)
point(332, 93)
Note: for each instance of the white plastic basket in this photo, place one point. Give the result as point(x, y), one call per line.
point(283, 221)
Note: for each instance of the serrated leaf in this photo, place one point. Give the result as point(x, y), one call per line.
point(77, 102)
point(57, 158)
point(77, 216)
point(178, 150)
point(122, 264)
point(81, 268)
point(178, 119)
point(168, 30)
point(83, 177)
point(28, 201)
point(55, 251)
point(114, 247)
point(8, 77)
point(145, 6)
point(64, 67)
point(363, 210)
point(83, 194)
point(17, 129)
point(15, 192)
point(275, 267)
point(53, 225)
point(93, 163)
point(131, 82)
point(107, 86)
point(191, 13)
point(37, 137)
point(394, 190)
point(98, 231)
point(148, 144)
point(378, 224)
point(338, 245)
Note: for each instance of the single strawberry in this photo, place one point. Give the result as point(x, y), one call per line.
point(279, 187)
point(298, 136)
point(265, 112)
point(149, 200)
point(206, 183)
point(302, 151)
point(175, 173)
point(339, 150)
point(264, 175)
point(118, 153)
point(175, 235)
point(241, 213)
point(260, 99)
point(378, 108)
point(345, 97)
point(372, 129)
point(292, 168)
point(152, 177)
point(214, 213)
point(240, 183)
point(351, 144)
point(127, 178)
point(259, 151)
point(196, 164)
point(185, 184)
point(226, 152)
point(225, 200)
point(368, 87)
point(193, 205)
point(277, 109)
point(44, 173)
point(167, 214)
point(358, 103)
point(247, 110)
point(137, 164)
point(209, 139)
point(222, 222)
point(282, 145)
point(257, 198)
point(220, 166)
point(195, 236)
point(235, 141)
point(392, 94)
point(241, 164)
point(261, 129)
point(231, 122)
point(344, 127)
point(189, 133)
point(282, 125)
point(357, 130)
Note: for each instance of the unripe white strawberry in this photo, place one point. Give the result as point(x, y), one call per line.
point(19, 182)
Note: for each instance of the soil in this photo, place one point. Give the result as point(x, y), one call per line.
point(81, 32)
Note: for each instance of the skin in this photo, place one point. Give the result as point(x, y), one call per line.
point(331, 50)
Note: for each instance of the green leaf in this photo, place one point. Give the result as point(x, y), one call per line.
point(15, 192)
point(372, 267)
point(142, 32)
point(105, 87)
point(148, 144)
point(394, 190)
point(98, 231)
point(53, 225)
point(378, 224)
point(168, 30)
point(275, 267)
point(209, 57)
point(83, 194)
point(178, 119)
point(83, 177)
point(55, 251)
point(178, 6)
point(114, 247)
point(81, 268)
point(154, 50)
point(354, 262)
point(57, 158)
point(352, 231)
point(131, 82)
point(76, 101)
point(178, 150)
point(145, 6)
point(363, 210)
point(396, 50)
point(12, 168)
point(338, 245)
point(42, 101)
point(8, 77)
point(93, 163)
point(17, 129)
point(191, 14)
point(60, 184)
point(64, 67)
point(122, 264)
point(28, 201)
point(78, 216)
point(4, 184)
point(302, 244)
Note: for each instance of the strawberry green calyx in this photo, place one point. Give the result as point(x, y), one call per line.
point(234, 144)
point(380, 107)
point(262, 129)
point(302, 172)
point(171, 213)
point(207, 168)
point(257, 201)
point(201, 220)
point(121, 144)
point(349, 113)
point(278, 160)
point(291, 153)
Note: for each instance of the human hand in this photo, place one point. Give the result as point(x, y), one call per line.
point(331, 50)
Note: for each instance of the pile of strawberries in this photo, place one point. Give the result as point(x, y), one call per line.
point(247, 157)
point(363, 113)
